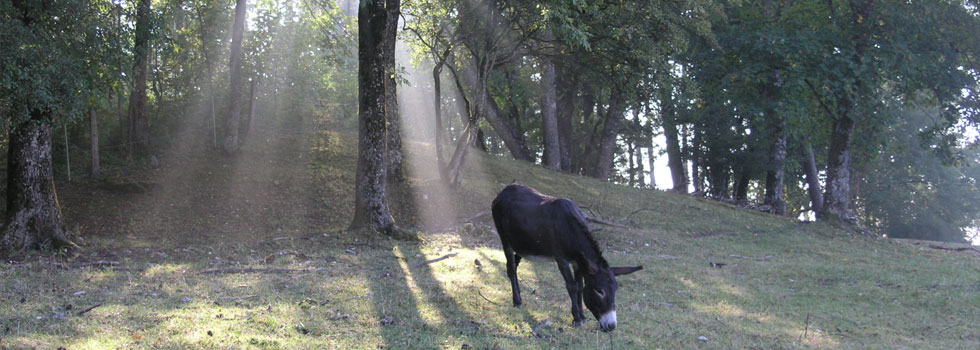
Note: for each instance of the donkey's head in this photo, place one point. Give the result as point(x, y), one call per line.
point(600, 291)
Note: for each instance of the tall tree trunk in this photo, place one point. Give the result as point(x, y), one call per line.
point(776, 165)
point(94, 132)
point(231, 142)
point(33, 217)
point(652, 156)
point(651, 161)
point(742, 185)
point(697, 176)
point(631, 166)
point(395, 155)
point(139, 126)
point(371, 203)
point(675, 160)
point(837, 193)
point(511, 135)
point(838, 190)
point(437, 100)
point(812, 180)
point(639, 142)
point(549, 117)
point(466, 138)
point(211, 101)
point(582, 152)
point(563, 110)
point(610, 131)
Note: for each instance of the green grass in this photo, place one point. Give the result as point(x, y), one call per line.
point(784, 285)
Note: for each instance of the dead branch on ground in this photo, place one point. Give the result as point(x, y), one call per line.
point(605, 222)
point(444, 257)
point(90, 308)
point(766, 258)
point(249, 270)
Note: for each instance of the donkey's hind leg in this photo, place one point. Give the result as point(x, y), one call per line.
point(512, 261)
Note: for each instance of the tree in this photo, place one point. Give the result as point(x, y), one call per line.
point(867, 51)
point(139, 123)
point(231, 142)
point(44, 82)
point(371, 203)
point(394, 142)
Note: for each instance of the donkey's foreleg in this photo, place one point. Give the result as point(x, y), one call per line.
point(574, 292)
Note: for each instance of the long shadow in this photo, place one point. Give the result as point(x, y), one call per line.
point(405, 286)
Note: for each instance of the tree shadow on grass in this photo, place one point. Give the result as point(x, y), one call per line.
point(414, 307)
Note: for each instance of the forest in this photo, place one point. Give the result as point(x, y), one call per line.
point(319, 173)
point(862, 112)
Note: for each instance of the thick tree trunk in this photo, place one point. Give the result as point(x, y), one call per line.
point(549, 118)
point(139, 125)
point(33, 217)
point(812, 180)
point(94, 150)
point(838, 190)
point(582, 152)
point(231, 142)
point(395, 156)
point(742, 186)
point(776, 166)
point(564, 110)
point(371, 203)
point(511, 135)
point(717, 164)
point(610, 131)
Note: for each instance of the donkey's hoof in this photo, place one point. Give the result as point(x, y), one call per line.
point(578, 324)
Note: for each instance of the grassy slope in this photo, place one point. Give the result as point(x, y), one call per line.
point(783, 285)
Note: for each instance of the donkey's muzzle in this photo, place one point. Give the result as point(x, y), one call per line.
point(608, 321)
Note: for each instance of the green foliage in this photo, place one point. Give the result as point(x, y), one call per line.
point(56, 57)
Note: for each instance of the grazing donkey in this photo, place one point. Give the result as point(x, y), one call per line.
point(531, 224)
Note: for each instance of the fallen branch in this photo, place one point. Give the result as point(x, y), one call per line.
point(90, 308)
point(99, 263)
point(537, 329)
point(605, 222)
point(958, 249)
point(766, 258)
point(485, 298)
point(444, 257)
point(238, 298)
point(248, 270)
point(627, 218)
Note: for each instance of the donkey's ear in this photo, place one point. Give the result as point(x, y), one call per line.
point(624, 270)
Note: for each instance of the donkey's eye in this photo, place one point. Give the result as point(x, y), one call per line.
point(601, 293)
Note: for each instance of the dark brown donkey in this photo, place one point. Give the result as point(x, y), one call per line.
point(531, 224)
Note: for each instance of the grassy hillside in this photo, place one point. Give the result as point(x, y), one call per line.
point(251, 253)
